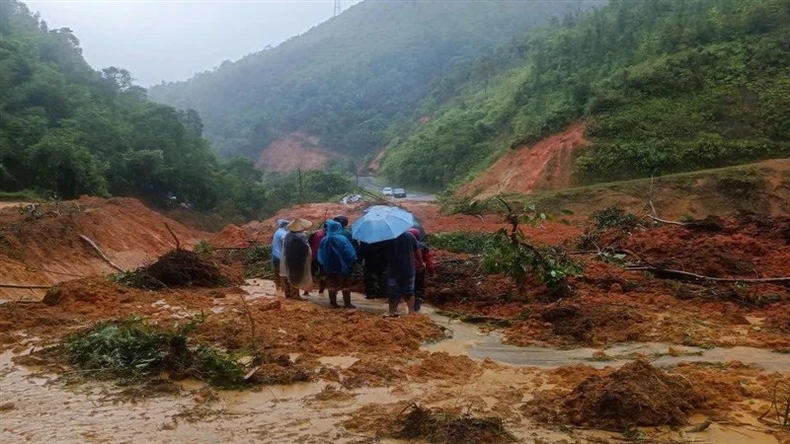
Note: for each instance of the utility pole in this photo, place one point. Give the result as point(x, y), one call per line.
point(338, 8)
point(301, 190)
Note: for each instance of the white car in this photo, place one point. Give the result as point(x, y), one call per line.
point(387, 191)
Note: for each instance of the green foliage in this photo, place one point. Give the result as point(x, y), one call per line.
point(132, 349)
point(350, 80)
point(670, 85)
point(258, 262)
point(461, 242)
point(614, 216)
point(68, 130)
point(20, 196)
point(203, 248)
point(510, 253)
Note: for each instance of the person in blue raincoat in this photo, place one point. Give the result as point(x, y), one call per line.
point(337, 257)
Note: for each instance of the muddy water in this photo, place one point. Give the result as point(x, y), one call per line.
point(44, 410)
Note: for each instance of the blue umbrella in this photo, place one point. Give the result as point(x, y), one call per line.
point(380, 222)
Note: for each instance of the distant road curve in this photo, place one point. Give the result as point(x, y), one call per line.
point(368, 183)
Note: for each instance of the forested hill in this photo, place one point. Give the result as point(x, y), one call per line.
point(346, 80)
point(664, 86)
point(67, 130)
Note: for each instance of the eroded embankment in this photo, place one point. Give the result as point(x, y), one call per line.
point(41, 244)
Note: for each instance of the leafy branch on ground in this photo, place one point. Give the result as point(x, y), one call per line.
point(134, 349)
point(511, 254)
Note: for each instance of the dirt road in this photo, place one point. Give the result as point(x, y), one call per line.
point(369, 184)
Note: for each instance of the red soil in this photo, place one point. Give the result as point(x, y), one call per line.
point(232, 236)
point(47, 249)
point(292, 152)
point(428, 214)
point(544, 166)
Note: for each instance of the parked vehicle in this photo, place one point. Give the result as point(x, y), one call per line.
point(351, 198)
point(386, 191)
point(399, 192)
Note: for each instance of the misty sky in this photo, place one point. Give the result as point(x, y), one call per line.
point(172, 39)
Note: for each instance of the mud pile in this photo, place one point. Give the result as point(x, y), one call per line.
point(442, 426)
point(637, 394)
point(580, 323)
point(176, 269)
point(310, 329)
point(232, 236)
point(746, 245)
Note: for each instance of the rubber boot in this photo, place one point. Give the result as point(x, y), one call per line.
point(333, 299)
point(347, 299)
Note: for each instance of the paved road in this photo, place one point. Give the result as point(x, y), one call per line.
point(368, 183)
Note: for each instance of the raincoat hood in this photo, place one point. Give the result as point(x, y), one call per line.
point(282, 223)
point(341, 219)
point(333, 228)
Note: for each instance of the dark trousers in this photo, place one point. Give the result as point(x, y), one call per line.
point(419, 290)
point(375, 281)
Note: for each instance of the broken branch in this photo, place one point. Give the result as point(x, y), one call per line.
point(670, 222)
point(101, 253)
point(178, 244)
point(685, 275)
point(25, 286)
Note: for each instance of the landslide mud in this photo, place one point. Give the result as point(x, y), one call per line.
point(727, 340)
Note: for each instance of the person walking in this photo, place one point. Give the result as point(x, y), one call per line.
point(315, 242)
point(277, 250)
point(374, 269)
point(336, 256)
point(295, 265)
point(422, 267)
point(401, 270)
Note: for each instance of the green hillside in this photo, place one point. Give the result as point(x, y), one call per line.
point(67, 130)
point(348, 79)
point(667, 85)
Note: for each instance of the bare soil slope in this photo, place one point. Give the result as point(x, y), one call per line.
point(294, 151)
point(547, 165)
point(43, 246)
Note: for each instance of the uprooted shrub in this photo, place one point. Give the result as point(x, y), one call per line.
point(637, 394)
point(439, 426)
point(132, 349)
point(177, 268)
point(614, 216)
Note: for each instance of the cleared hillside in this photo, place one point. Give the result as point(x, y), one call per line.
point(347, 80)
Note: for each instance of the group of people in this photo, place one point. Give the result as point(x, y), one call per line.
point(395, 268)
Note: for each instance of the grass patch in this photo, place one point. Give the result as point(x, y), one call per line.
point(461, 242)
point(21, 196)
